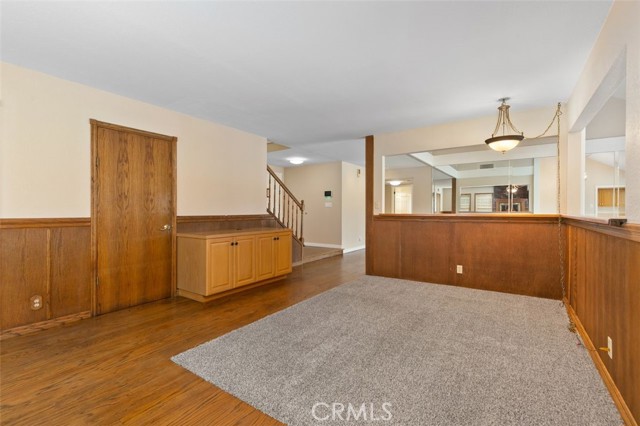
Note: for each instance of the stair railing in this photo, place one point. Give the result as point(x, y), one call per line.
point(285, 207)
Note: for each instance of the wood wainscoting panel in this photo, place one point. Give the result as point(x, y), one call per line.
point(46, 257)
point(425, 251)
point(516, 254)
point(511, 257)
point(386, 248)
point(604, 270)
point(627, 371)
point(24, 272)
point(70, 271)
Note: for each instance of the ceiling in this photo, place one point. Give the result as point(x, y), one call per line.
point(315, 76)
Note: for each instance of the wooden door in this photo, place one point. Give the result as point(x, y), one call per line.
point(245, 260)
point(264, 256)
point(133, 216)
point(283, 253)
point(220, 265)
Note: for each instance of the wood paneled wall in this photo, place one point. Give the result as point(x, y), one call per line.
point(516, 254)
point(218, 223)
point(603, 265)
point(52, 258)
point(46, 257)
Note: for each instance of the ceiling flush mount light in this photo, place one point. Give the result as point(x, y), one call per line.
point(395, 182)
point(296, 160)
point(504, 142)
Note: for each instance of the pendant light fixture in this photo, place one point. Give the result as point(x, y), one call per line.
point(505, 141)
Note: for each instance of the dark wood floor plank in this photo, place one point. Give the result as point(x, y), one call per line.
point(116, 369)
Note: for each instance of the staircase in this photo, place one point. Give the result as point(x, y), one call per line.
point(285, 207)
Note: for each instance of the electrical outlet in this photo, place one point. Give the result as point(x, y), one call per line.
point(459, 269)
point(610, 347)
point(35, 302)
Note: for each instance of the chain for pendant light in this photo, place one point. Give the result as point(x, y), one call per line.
point(561, 239)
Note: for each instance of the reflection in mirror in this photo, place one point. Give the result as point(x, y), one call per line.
point(476, 180)
point(604, 166)
point(496, 187)
point(407, 179)
point(442, 195)
point(604, 179)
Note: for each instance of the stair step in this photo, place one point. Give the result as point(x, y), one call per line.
point(311, 254)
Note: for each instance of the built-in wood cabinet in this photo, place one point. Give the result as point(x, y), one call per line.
point(218, 262)
point(265, 256)
point(230, 262)
point(611, 197)
point(273, 255)
point(283, 253)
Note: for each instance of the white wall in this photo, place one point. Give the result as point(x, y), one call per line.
point(609, 122)
point(342, 225)
point(597, 175)
point(446, 200)
point(279, 171)
point(545, 185)
point(322, 224)
point(421, 197)
point(614, 57)
point(45, 150)
point(353, 207)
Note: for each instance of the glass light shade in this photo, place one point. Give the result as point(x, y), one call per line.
point(504, 143)
point(296, 160)
point(395, 182)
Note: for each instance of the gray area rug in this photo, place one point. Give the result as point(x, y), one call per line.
point(386, 351)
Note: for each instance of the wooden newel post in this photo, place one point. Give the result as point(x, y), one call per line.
point(301, 220)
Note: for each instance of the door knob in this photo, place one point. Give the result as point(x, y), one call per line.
point(166, 227)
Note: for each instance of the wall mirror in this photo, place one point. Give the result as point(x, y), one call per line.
point(473, 179)
point(604, 159)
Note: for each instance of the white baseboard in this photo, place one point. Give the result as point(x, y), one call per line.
point(349, 250)
point(334, 246)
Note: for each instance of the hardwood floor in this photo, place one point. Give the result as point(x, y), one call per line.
point(116, 368)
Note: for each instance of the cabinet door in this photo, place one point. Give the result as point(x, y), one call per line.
point(220, 265)
point(283, 253)
point(265, 263)
point(605, 197)
point(245, 256)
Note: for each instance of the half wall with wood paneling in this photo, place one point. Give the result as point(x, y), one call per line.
point(52, 258)
point(516, 254)
point(48, 258)
point(604, 293)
